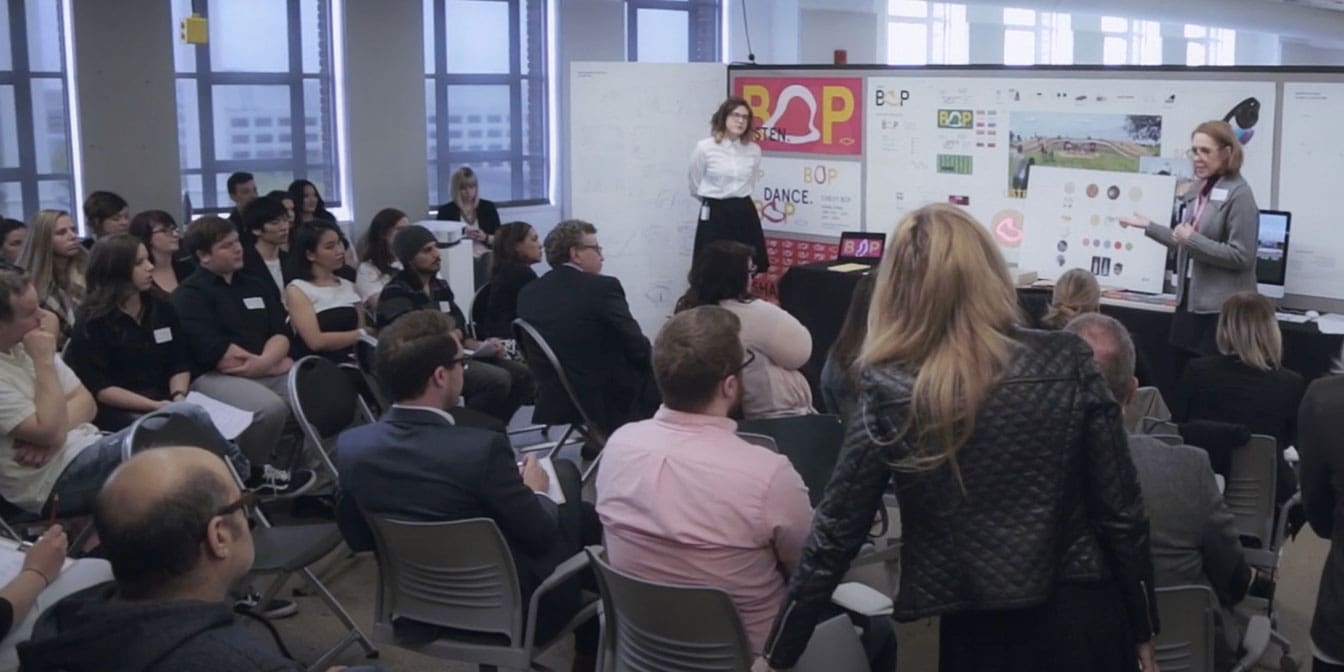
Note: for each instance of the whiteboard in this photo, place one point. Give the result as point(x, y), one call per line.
point(632, 129)
point(1314, 139)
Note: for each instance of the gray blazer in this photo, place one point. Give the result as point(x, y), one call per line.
point(1221, 254)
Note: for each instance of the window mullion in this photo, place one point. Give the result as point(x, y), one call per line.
point(23, 104)
point(515, 100)
point(298, 114)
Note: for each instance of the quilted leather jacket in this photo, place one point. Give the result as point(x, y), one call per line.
point(1048, 494)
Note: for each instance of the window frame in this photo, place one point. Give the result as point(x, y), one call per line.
point(1046, 34)
point(1213, 41)
point(1135, 33)
point(700, 46)
point(517, 156)
point(939, 22)
point(21, 77)
point(211, 168)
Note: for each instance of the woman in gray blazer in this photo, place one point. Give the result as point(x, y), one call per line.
point(1216, 241)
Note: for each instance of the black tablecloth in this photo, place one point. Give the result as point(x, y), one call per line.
point(819, 298)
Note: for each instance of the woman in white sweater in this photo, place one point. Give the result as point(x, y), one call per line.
point(779, 344)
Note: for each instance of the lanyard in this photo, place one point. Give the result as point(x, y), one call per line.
point(1200, 204)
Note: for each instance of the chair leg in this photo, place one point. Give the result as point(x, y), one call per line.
point(564, 438)
point(357, 635)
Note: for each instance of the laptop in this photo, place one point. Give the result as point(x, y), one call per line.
point(861, 249)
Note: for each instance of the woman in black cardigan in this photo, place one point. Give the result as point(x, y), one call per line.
point(516, 249)
point(479, 215)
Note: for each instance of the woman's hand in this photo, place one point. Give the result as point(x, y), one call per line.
point(47, 554)
point(1137, 221)
point(476, 234)
point(1182, 232)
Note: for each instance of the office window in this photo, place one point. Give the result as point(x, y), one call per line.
point(672, 31)
point(927, 33)
point(1130, 42)
point(266, 61)
point(1031, 37)
point(487, 73)
point(1210, 46)
point(35, 164)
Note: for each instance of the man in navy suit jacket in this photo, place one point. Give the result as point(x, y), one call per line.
point(415, 463)
point(584, 317)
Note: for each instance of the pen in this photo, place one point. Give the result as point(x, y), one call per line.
point(55, 509)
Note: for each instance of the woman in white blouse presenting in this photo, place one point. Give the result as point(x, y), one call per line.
point(723, 173)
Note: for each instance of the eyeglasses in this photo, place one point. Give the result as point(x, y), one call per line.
point(591, 247)
point(739, 115)
point(751, 357)
point(247, 501)
point(1200, 151)
point(173, 231)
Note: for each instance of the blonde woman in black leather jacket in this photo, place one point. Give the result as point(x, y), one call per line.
point(1023, 526)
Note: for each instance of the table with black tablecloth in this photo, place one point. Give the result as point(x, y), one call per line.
point(819, 298)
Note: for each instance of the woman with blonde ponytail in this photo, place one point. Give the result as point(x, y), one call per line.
point(1022, 523)
point(1076, 292)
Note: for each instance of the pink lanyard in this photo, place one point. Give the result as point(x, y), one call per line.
point(1200, 204)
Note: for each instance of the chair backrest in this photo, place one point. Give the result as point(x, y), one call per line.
point(153, 430)
point(480, 302)
point(1250, 488)
point(1169, 439)
point(365, 348)
point(811, 442)
point(646, 627)
point(548, 371)
point(1186, 641)
point(759, 440)
point(1151, 425)
point(324, 397)
point(456, 574)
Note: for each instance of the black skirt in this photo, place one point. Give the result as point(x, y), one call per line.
point(1082, 628)
point(731, 219)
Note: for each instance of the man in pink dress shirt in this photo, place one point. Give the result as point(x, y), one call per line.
point(683, 500)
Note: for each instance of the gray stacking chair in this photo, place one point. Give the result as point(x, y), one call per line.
point(1186, 641)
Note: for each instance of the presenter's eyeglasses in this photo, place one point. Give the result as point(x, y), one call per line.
point(1201, 151)
point(739, 115)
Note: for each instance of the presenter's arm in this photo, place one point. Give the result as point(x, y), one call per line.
point(696, 173)
point(1154, 230)
point(1243, 223)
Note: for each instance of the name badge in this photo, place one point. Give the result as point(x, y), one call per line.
point(163, 335)
point(445, 306)
point(1218, 195)
point(704, 213)
point(254, 303)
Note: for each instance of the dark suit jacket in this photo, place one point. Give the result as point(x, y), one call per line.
point(586, 320)
point(1320, 425)
point(415, 465)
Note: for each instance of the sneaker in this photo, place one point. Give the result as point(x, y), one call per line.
point(274, 609)
point(271, 483)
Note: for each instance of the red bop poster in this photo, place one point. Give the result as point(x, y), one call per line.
point(808, 115)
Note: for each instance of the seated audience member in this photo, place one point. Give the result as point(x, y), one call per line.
point(480, 217)
point(265, 258)
point(283, 197)
point(839, 378)
point(375, 248)
point(54, 261)
point(584, 317)
point(13, 233)
point(684, 500)
point(494, 384)
point(1194, 536)
point(235, 331)
point(42, 564)
point(107, 214)
point(323, 309)
point(348, 259)
point(48, 450)
point(516, 249)
point(309, 202)
point(1320, 425)
point(1076, 292)
point(242, 191)
point(127, 346)
point(1246, 384)
point(162, 237)
point(174, 525)
point(416, 463)
point(780, 345)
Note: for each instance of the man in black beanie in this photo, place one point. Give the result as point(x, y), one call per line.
point(492, 383)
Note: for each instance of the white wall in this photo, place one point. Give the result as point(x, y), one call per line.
point(1304, 53)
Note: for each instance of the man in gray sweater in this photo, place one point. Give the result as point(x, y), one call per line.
point(174, 526)
point(1194, 538)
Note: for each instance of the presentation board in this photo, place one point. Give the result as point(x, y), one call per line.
point(973, 137)
point(632, 129)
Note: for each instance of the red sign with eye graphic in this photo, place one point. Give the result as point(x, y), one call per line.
point(812, 115)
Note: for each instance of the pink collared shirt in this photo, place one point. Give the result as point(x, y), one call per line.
point(683, 500)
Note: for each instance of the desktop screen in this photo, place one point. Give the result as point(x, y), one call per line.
point(1271, 254)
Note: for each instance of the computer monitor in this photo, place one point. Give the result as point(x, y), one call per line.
point(861, 247)
point(1271, 253)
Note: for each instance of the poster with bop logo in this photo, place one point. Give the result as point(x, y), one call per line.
point(812, 115)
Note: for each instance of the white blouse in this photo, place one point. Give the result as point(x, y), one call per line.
point(342, 295)
point(724, 169)
point(369, 281)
